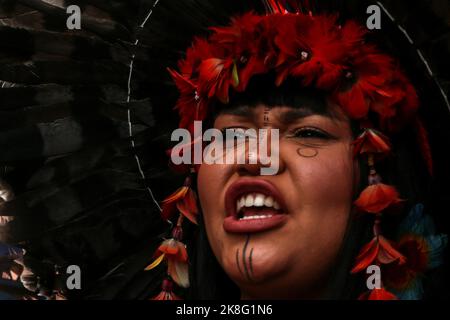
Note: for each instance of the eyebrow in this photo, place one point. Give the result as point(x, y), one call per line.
point(287, 117)
point(293, 115)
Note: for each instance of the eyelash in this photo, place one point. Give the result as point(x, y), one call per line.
point(311, 133)
point(307, 132)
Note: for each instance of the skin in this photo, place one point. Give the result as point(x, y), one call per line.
point(317, 176)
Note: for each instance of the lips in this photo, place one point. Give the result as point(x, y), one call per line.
point(253, 205)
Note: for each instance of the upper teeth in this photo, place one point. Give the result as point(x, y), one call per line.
point(256, 200)
point(256, 217)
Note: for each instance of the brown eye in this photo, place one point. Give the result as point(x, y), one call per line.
point(311, 133)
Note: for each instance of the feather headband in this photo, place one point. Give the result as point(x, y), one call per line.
point(315, 50)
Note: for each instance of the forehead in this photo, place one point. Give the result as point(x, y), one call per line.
point(285, 114)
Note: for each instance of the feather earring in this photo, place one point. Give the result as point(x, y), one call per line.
point(173, 251)
point(375, 199)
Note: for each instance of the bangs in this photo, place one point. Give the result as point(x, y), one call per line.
point(263, 91)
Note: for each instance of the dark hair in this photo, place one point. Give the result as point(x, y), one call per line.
point(405, 170)
point(262, 90)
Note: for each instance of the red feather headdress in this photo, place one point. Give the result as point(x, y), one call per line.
point(313, 49)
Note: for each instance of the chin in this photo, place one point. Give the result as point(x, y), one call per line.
point(259, 266)
point(284, 285)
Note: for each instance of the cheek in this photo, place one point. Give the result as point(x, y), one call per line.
point(325, 180)
point(322, 200)
point(211, 180)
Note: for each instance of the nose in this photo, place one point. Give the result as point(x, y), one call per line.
point(264, 157)
point(249, 169)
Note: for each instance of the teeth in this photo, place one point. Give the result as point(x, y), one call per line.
point(256, 200)
point(259, 200)
point(256, 217)
point(249, 201)
point(268, 202)
point(240, 204)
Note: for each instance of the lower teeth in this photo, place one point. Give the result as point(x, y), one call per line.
point(255, 217)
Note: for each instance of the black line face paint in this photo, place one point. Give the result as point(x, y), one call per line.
point(250, 261)
point(246, 261)
point(244, 251)
point(266, 120)
point(307, 152)
point(237, 262)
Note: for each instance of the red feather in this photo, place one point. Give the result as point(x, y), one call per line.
point(366, 256)
point(378, 294)
point(188, 107)
point(371, 141)
point(377, 197)
point(379, 250)
point(200, 50)
point(277, 6)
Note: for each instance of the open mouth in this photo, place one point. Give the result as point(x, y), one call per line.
point(253, 205)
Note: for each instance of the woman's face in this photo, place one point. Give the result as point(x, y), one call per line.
point(278, 236)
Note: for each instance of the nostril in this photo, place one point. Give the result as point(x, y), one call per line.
point(249, 170)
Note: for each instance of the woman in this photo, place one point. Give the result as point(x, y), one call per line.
point(353, 165)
